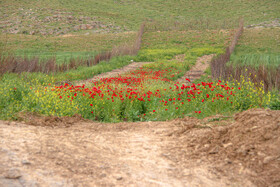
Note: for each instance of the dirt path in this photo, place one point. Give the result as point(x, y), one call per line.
point(114, 73)
point(93, 154)
point(198, 69)
point(211, 152)
point(182, 152)
point(194, 73)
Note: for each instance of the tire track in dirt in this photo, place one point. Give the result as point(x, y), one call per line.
point(196, 71)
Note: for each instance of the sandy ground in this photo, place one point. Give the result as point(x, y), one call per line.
point(243, 151)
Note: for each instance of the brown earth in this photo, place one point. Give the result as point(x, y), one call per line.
point(216, 151)
point(196, 71)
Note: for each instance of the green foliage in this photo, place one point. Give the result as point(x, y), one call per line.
point(62, 48)
point(151, 55)
point(60, 57)
point(186, 39)
point(258, 47)
point(16, 95)
point(256, 60)
point(82, 73)
point(221, 97)
point(275, 101)
point(205, 51)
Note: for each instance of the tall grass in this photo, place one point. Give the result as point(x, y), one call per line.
point(256, 60)
point(261, 68)
point(9, 63)
point(13, 64)
point(123, 49)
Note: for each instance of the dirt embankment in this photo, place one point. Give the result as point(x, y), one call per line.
point(248, 147)
point(183, 152)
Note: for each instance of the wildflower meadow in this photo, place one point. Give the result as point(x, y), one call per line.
point(143, 94)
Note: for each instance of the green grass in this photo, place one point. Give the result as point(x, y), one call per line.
point(110, 102)
point(131, 13)
point(91, 42)
point(128, 15)
point(11, 101)
point(63, 48)
point(256, 60)
point(258, 47)
point(262, 41)
point(161, 47)
point(186, 39)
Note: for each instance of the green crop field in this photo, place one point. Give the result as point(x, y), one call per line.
point(258, 47)
point(63, 47)
point(130, 13)
point(37, 26)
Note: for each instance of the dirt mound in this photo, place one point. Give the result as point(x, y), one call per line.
point(249, 146)
point(215, 151)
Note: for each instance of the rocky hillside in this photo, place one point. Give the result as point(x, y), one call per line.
point(42, 21)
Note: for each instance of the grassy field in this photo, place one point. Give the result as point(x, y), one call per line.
point(258, 47)
point(63, 47)
point(130, 14)
point(72, 28)
point(39, 25)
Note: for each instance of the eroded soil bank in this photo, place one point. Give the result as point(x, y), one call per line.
point(217, 151)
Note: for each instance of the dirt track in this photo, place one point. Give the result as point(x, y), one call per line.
point(198, 69)
point(182, 152)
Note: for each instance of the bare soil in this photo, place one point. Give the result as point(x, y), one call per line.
point(198, 69)
point(216, 151)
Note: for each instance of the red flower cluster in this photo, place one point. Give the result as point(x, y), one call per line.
point(132, 87)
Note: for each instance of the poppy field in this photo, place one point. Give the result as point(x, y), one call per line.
point(149, 93)
point(140, 95)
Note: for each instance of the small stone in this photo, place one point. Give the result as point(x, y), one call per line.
point(25, 162)
point(268, 159)
point(255, 127)
point(103, 175)
point(227, 145)
point(119, 178)
point(215, 150)
point(13, 173)
point(207, 145)
point(228, 161)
